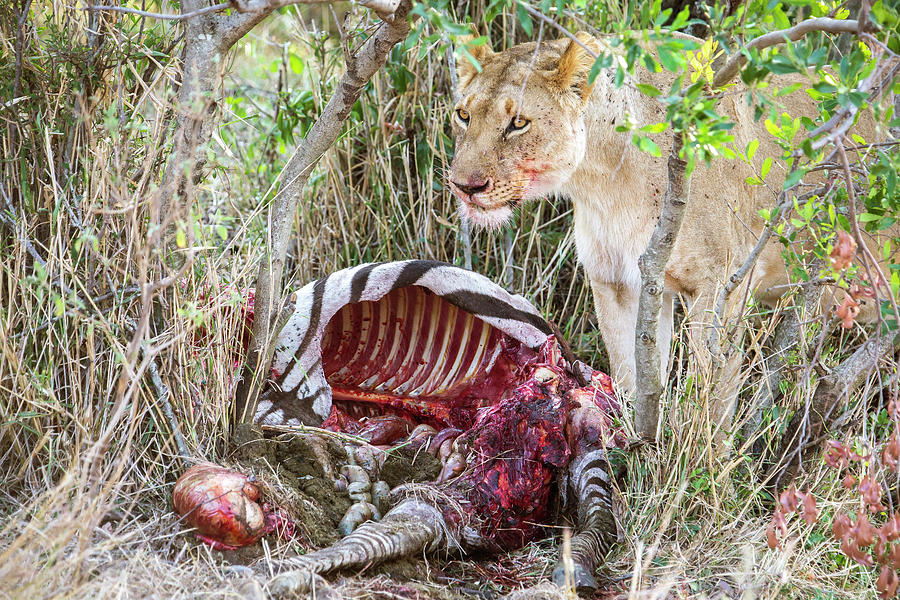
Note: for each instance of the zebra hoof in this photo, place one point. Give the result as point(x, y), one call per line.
point(582, 579)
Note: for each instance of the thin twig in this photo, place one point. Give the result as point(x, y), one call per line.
point(162, 396)
point(371, 57)
point(161, 16)
point(532, 11)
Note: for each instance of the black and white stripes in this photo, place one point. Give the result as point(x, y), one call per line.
point(589, 476)
point(299, 390)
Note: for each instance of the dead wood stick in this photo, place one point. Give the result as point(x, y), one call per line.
point(648, 379)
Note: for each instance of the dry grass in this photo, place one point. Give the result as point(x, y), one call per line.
point(87, 456)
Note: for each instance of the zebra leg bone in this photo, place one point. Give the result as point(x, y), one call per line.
point(412, 527)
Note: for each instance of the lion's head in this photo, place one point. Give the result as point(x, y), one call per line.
point(518, 124)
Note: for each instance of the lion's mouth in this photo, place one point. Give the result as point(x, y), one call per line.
point(489, 217)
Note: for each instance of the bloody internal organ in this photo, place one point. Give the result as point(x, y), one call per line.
point(417, 356)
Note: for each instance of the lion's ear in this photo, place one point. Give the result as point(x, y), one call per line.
point(465, 70)
point(572, 74)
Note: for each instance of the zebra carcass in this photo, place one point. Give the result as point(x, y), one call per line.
point(425, 353)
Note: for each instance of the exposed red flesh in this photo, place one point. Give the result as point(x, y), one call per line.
point(385, 429)
point(517, 446)
point(223, 506)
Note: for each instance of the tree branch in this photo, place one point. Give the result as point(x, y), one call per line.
point(652, 263)
point(383, 8)
point(161, 16)
point(734, 64)
point(370, 58)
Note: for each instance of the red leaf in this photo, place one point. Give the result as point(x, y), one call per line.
point(891, 527)
point(893, 556)
point(837, 454)
point(870, 490)
point(810, 513)
point(772, 538)
point(891, 453)
point(840, 526)
point(844, 251)
point(849, 481)
point(893, 409)
point(847, 311)
point(789, 499)
point(849, 547)
point(887, 583)
point(862, 532)
point(779, 521)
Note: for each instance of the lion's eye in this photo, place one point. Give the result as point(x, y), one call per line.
point(518, 124)
point(463, 115)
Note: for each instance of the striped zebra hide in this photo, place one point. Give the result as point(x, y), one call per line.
point(411, 331)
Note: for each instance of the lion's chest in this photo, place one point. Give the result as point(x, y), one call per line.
point(611, 229)
point(609, 242)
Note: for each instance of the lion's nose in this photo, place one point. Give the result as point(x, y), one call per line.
point(475, 187)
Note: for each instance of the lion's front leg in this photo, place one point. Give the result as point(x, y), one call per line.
point(616, 305)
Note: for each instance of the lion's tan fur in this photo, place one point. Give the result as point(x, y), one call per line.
point(572, 148)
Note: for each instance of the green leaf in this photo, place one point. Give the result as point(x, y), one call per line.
point(766, 167)
point(682, 18)
point(647, 145)
point(668, 59)
point(654, 128)
point(524, 19)
point(751, 149)
point(603, 61)
point(648, 89)
point(296, 63)
point(792, 178)
point(789, 89)
point(868, 217)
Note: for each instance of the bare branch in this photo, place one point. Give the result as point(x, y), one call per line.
point(162, 397)
point(870, 261)
point(733, 66)
point(161, 16)
point(383, 8)
point(788, 334)
point(781, 209)
point(840, 122)
point(652, 264)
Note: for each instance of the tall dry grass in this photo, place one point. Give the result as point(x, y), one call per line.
point(90, 313)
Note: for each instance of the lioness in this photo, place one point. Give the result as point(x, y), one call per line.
point(530, 124)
